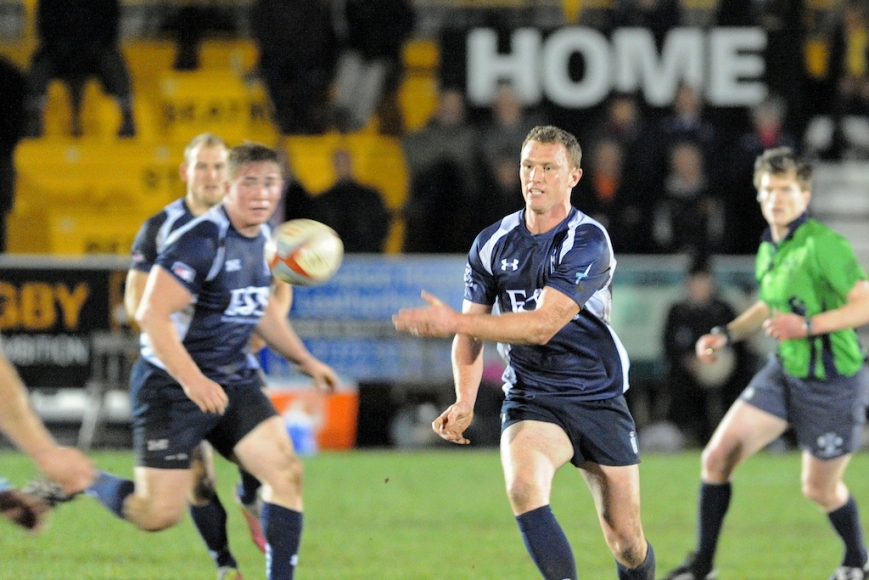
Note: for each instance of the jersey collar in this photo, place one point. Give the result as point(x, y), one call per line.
point(792, 227)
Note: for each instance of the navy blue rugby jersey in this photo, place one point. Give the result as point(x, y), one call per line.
point(231, 283)
point(153, 233)
point(508, 267)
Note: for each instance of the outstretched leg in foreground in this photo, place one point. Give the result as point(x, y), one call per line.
point(154, 502)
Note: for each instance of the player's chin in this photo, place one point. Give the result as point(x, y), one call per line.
point(259, 215)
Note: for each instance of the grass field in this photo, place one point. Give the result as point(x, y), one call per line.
point(387, 515)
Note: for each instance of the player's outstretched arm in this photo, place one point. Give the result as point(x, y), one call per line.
point(274, 327)
point(67, 466)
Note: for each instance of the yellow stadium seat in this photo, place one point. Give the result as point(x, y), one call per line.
point(238, 55)
point(212, 100)
point(124, 174)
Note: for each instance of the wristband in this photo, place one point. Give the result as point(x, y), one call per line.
point(723, 331)
point(807, 326)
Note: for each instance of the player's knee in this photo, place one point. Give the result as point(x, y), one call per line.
point(716, 463)
point(150, 515)
point(203, 491)
point(823, 495)
point(523, 495)
point(289, 476)
point(629, 548)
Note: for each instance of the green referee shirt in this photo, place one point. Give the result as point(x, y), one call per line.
point(808, 272)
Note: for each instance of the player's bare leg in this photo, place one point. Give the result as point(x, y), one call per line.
point(268, 454)
point(207, 511)
point(822, 484)
point(744, 431)
point(156, 504)
point(616, 493)
point(531, 453)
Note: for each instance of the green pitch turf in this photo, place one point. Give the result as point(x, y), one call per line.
point(388, 515)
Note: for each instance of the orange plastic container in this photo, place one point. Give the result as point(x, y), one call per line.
point(333, 416)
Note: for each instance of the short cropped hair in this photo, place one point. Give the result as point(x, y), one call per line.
point(200, 141)
point(780, 161)
point(250, 152)
point(552, 134)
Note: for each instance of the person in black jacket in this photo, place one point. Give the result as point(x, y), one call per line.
point(12, 89)
point(296, 61)
point(372, 34)
point(356, 211)
point(698, 394)
point(78, 39)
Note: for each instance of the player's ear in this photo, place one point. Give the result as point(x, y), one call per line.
point(182, 171)
point(577, 173)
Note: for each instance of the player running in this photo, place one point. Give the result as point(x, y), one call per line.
point(548, 268)
point(204, 173)
point(207, 293)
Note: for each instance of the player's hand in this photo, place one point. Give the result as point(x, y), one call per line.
point(451, 424)
point(784, 326)
point(67, 466)
point(707, 345)
point(435, 320)
point(208, 395)
point(325, 377)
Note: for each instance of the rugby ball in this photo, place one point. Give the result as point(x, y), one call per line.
point(304, 252)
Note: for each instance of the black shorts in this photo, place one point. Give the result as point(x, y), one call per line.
point(827, 415)
point(167, 425)
point(601, 432)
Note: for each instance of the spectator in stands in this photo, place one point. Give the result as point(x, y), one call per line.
point(606, 195)
point(443, 163)
point(842, 132)
point(506, 127)
point(623, 120)
point(12, 98)
point(685, 121)
point(189, 23)
point(297, 52)
point(356, 211)
point(767, 131)
point(296, 201)
point(695, 395)
point(687, 217)
point(78, 39)
point(501, 189)
point(372, 34)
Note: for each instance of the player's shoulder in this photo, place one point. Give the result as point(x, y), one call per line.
point(823, 236)
point(212, 224)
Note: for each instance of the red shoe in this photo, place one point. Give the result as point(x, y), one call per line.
point(251, 513)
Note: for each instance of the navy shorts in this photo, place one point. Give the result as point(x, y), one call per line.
point(167, 425)
point(601, 432)
point(827, 415)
